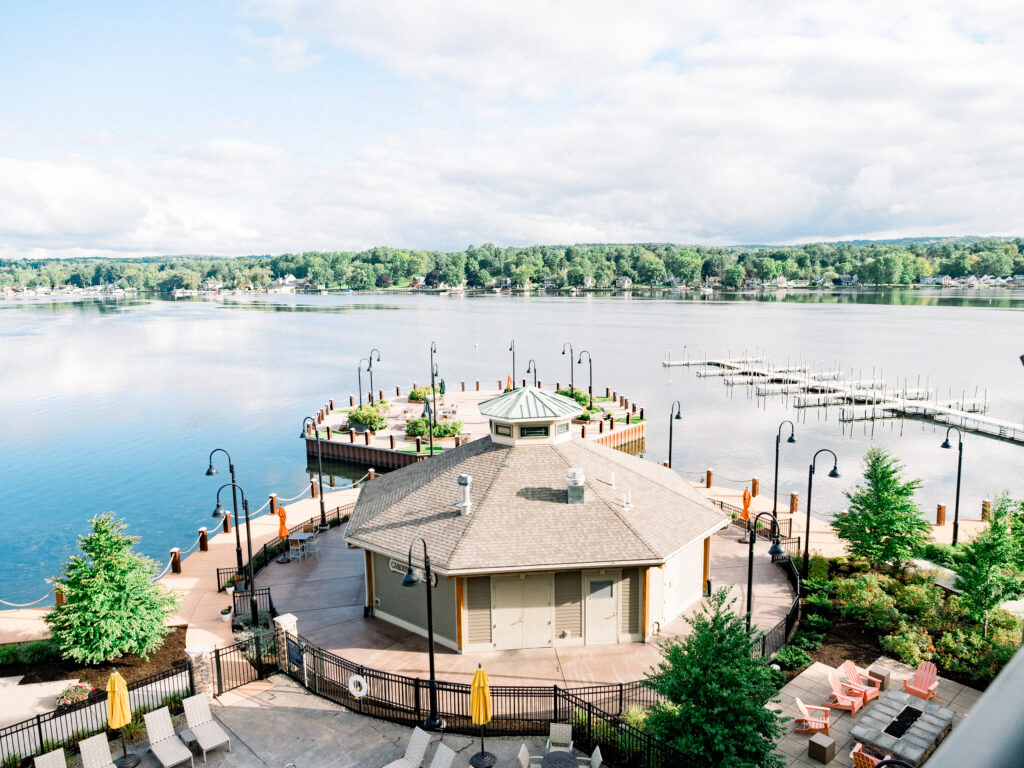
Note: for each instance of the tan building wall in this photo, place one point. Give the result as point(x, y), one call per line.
point(407, 606)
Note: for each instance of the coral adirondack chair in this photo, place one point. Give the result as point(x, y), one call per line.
point(867, 685)
point(924, 683)
point(814, 719)
point(843, 697)
point(862, 759)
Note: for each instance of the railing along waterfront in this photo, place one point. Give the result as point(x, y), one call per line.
point(764, 527)
point(775, 639)
point(66, 726)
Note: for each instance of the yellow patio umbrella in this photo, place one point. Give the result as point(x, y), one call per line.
point(480, 711)
point(282, 529)
point(119, 714)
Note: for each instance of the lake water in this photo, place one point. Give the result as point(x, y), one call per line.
point(115, 406)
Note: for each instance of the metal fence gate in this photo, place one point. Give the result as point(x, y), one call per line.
point(245, 661)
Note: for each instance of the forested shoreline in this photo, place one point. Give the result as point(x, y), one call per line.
point(901, 262)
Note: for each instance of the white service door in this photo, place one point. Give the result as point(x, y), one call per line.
point(507, 612)
point(538, 629)
point(601, 609)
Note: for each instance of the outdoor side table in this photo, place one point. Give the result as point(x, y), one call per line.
point(559, 760)
point(821, 748)
point(881, 674)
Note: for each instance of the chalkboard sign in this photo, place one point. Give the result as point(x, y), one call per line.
point(295, 653)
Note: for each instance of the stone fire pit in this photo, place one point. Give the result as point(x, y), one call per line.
point(904, 726)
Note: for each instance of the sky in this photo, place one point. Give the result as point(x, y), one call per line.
point(266, 126)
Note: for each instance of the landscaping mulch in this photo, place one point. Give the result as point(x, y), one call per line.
point(131, 667)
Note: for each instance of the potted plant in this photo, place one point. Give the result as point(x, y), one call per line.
point(225, 614)
point(73, 694)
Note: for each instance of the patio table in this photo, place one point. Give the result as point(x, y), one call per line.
point(299, 536)
point(559, 760)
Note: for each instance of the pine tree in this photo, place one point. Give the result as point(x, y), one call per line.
point(111, 606)
point(883, 522)
point(717, 712)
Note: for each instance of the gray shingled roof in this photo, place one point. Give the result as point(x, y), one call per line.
point(529, 404)
point(520, 518)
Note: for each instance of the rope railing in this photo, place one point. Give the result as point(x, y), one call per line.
point(165, 570)
point(293, 498)
point(257, 512)
point(28, 605)
point(732, 479)
point(361, 479)
point(192, 549)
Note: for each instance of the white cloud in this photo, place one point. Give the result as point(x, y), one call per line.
point(283, 53)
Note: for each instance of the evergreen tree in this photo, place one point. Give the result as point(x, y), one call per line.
point(883, 523)
point(984, 574)
point(111, 606)
point(717, 712)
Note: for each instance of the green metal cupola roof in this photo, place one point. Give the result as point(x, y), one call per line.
point(529, 404)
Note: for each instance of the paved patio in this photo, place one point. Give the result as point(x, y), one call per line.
point(812, 687)
point(326, 595)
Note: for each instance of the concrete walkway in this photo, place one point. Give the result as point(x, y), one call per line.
point(326, 596)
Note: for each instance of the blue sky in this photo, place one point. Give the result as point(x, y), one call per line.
point(280, 125)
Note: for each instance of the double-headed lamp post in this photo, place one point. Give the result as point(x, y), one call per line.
point(778, 441)
point(590, 364)
point(369, 367)
point(531, 367)
point(359, 373)
point(776, 550)
point(572, 385)
point(210, 472)
point(411, 579)
point(220, 512)
point(319, 469)
point(675, 413)
point(834, 472)
point(959, 469)
point(512, 349)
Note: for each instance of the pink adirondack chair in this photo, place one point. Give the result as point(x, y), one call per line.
point(814, 719)
point(867, 685)
point(843, 697)
point(862, 759)
point(923, 684)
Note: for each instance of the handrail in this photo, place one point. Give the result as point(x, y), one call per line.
point(26, 605)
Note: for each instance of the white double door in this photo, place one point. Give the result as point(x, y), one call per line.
point(522, 610)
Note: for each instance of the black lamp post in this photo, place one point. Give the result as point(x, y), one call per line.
point(220, 512)
point(959, 468)
point(532, 368)
point(572, 385)
point(428, 412)
point(359, 373)
point(775, 551)
point(810, 485)
point(210, 472)
point(512, 349)
point(319, 468)
point(590, 363)
point(778, 440)
point(675, 412)
point(369, 367)
point(433, 722)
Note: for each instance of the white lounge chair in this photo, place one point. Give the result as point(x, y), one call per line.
point(209, 735)
point(526, 760)
point(594, 761)
point(53, 759)
point(414, 752)
point(95, 752)
point(559, 738)
point(443, 757)
point(166, 747)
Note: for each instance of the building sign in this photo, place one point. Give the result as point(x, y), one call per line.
point(402, 567)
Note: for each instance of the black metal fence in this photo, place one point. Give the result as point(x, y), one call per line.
point(775, 639)
point(246, 661)
point(264, 605)
point(764, 525)
point(278, 546)
point(66, 726)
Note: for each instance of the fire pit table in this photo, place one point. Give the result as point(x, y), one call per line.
point(904, 726)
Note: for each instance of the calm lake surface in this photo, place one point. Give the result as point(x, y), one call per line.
point(116, 405)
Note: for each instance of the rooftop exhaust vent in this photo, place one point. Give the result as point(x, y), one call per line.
point(465, 504)
point(574, 485)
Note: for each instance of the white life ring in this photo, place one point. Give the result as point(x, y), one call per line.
point(358, 686)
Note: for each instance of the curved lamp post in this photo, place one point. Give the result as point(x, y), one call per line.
point(778, 440)
point(210, 472)
point(411, 579)
point(776, 550)
point(676, 412)
point(220, 512)
point(431, 413)
point(590, 364)
point(532, 368)
point(512, 349)
point(572, 385)
point(959, 468)
point(834, 472)
point(359, 372)
point(319, 468)
point(370, 368)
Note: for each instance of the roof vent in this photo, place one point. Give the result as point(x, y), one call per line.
point(465, 504)
point(574, 485)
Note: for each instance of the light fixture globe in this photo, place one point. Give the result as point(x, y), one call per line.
point(945, 443)
point(777, 550)
point(410, 579)
point(791, 438)
point(219, 511)
point(210, 471)
point(678, 416)
point(834, 472)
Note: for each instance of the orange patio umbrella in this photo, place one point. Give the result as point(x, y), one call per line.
point(746, 504)
point(509, 385)
point(282, 529)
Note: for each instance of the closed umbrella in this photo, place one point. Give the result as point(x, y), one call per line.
point(480, 711)
point(282, 528)
point(119, 714)
point(745, 515)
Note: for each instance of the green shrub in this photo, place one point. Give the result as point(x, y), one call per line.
point(585, 416)
point(809, 641)
point(37, 652)
point(865, 600)
point(967, 652)
point(922, 603)
point(12, 760)
point(421, 393)
point(819, 567)
point(943, 554)
point(134, 730)
point(635, 716)
point(9, 653)
point(576, 394)
point(778, 676)
point(817, 622)
point(792, 657)
point(369, 416)
point(818, 586)
point(819, 603)
point(909, 644)
point(419, 428)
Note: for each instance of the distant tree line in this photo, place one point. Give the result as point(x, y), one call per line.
point(899, 262)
